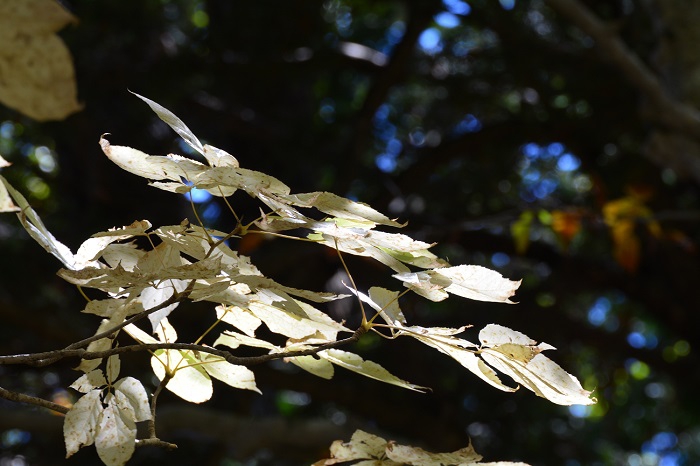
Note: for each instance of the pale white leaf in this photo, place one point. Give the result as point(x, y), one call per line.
point(478, 283)
point(318, 367)
point(251, 181)
point(338, 206)
point(174, 122)
point(35, 227)
point(152, 167)
point(113, 367)
point(190, 381)
point(469, 281)
point(124, 255)
point(116, 435)
point(92, 248)
point(139, 335)
point(4, 163)
point(362, 445)
point(112, 307)
point(219, 157)
point(408, 455)
point(90, 381)
point(240, 318)
point(136, 394)
point(388, 305)
point(80, 423)
point(103, 344)
point(156, 295)
point(460, 350)
point(518, 356)
point(369, 369)
point(231, 374)
point(494, 334)
point(234, 339)
point(6, 204)
point(542, 376)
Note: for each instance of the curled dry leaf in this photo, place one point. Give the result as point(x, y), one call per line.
point(372, 450)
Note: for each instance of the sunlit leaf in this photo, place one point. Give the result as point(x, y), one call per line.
point(80, 423)
point(36, 229)
point(231, 374)
point(516, 355)
point(113, 368)
point(90, 381)
point(469, 281)
point(174, 122)
point(134, 391)
point(369, 369)
point(116, 434)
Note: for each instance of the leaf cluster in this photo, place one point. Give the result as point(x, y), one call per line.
point(191, 262)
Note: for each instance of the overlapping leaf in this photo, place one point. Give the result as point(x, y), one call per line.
point(372, 450)
point(107, 419)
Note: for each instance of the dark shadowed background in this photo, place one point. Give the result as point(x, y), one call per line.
point(554, 141)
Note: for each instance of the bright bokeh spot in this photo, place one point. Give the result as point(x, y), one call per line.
point(447, 20)
point(638, 369)
point(457, 7)
point(430, 41)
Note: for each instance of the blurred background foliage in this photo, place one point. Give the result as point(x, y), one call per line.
point(497, 129)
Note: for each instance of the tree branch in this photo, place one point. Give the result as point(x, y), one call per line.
point(22, 398)
point(666, 110)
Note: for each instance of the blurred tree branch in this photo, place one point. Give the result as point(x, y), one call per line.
point(663, 109)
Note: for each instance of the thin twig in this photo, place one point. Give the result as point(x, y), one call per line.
point(32, 400)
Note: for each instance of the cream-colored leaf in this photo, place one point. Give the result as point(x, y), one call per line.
point(240, 318)
point(542, 376)
point(362, 445)
point(518, 356)
point(35, 227)
point(6, 204)
point(469, 281)
point(341, 207)
point(408, 455)
point(458, 349)
point(80, 423)
point(113, 367)
point(478, 283)
point(152, 167)
point(231, 374)
point(318, 367)
point(234, 339)
point(139, 335)
point(112, 306)
point(219, 157)
point(190, 381)
point(369, 369)
point(124, 255)
point(136, 394)
point(425, 284)
point(174, 122)
point(103, 344)
point(4, 163)
point(36, 66)
point(251, 181)
point(156, 295)
point(90, 381)
point(115, 440)
point(494, 334)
